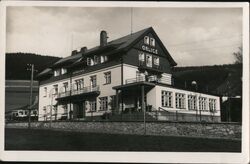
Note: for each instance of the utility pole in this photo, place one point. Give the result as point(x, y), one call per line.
point(31, 90)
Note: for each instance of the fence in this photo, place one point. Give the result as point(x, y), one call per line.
point(151, 115)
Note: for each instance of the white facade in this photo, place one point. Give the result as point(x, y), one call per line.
point(46, 101)
point(155, 98)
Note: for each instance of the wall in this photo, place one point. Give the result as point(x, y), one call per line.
point(208, 130)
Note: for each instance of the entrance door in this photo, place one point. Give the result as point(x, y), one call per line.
point(79, 110)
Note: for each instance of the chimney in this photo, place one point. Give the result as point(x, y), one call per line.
point(74, 52)
point(103, 38)
point(83, 49)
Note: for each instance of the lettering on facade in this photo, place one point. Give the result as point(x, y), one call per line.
point(149, 49)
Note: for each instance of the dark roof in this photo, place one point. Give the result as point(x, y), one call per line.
point(114, 46)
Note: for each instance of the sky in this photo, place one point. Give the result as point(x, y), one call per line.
point(193, 36)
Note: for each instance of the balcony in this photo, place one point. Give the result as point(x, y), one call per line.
point(79, 93)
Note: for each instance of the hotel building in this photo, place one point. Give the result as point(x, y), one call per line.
point(132, 73)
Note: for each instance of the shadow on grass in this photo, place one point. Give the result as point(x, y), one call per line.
point(50, 140)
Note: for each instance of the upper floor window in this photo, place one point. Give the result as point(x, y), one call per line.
point(65, 87)
point(149, 60)
point(166, 99)
point(180, 100)
point(156, 61)
point(107, 76)
point(55, 88)
point(212, 105)
point(141, 56)
point(44, 91)
point(146, 40)
point(93, 81)
point(79, 84)
point(57, 72)
point(202, 103)
point(192, 102)
point(152, 42)
point(64, 70)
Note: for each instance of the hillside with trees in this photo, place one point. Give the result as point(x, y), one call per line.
point(217, 79)
point(16, 64)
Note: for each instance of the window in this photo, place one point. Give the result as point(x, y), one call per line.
point(103, 103)
point(202, 103)
point(57, 72)
point(166, 99)
point(93, 81)
point(104, 59)
point(212, 105)
point(55, 88)
point(65, 109)
point(65, 87)
point(44, 91)
point(146, 40)
point(92, 105)
point(89, 61)
point(107, 76)
point(152, 42)
point(192, 102)
point(180, 100)
point(141, 56)
point(149, 60)
point(79, 84)
point(97, 60)
point(63, 70)
point(156, 61)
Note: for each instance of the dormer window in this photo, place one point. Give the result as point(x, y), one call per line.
point(97, 60)
point(104, 59)
point(64, 70)
point(89, 61)
point(152, 42)
point(57, 72)
point(146, 40)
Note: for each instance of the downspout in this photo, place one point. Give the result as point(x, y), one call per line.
point(122, 82)
point(70, 92)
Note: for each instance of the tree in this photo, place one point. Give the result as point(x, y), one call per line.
point(238, 56)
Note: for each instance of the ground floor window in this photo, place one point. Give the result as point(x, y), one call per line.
point(202, 103)
point(65, 108)
point(192, 102)
point(212, 105)
point(103, 103)
point(166, 99)
point(180, 100)
point(92, 105)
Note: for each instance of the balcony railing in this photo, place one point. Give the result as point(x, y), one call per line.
point(152, 79)
point(79, 91)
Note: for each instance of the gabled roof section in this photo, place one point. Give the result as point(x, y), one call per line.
point(121, 44)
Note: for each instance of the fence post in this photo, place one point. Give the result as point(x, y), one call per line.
point(176, 115)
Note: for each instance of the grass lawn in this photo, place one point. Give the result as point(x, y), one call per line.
point(37, 139)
